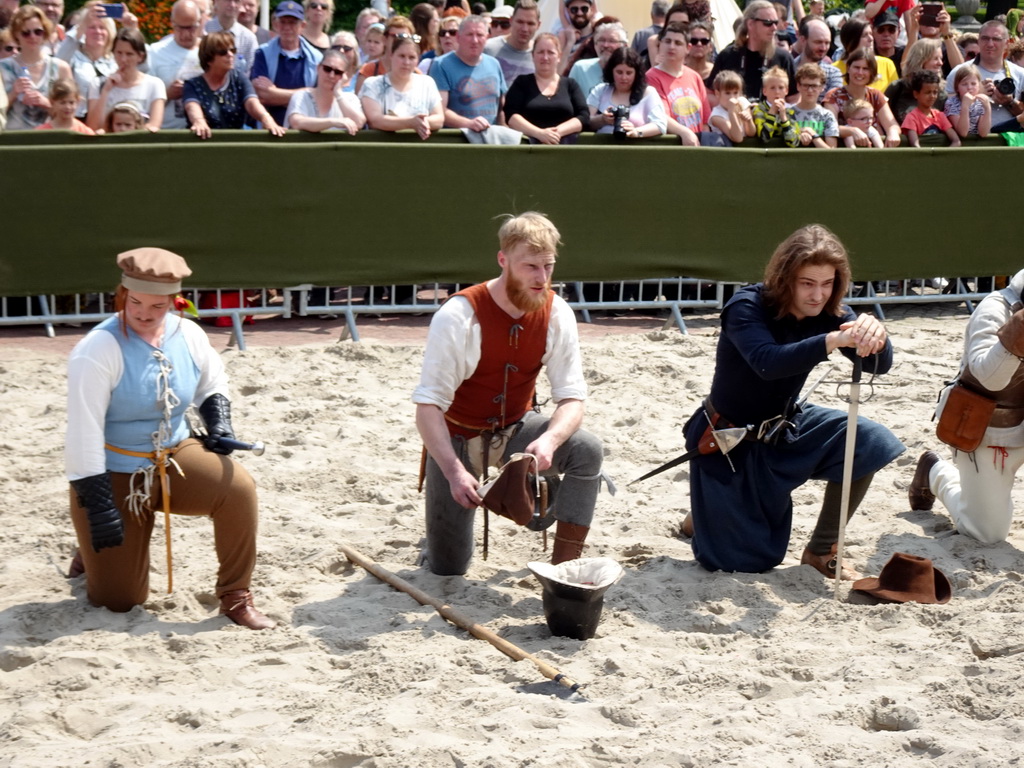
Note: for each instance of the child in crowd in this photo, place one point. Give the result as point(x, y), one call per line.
point(924, 118)
point(815, 125)
point(123, 117)
point(860, 114)
point(1015, 52)
point(63, 103)
point(772, 116)
point(968, 109)
point(8, 45)
point(731, 118)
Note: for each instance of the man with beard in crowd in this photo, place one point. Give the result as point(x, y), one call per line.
point(582, 16)
point(475, 403)
point(754, 51)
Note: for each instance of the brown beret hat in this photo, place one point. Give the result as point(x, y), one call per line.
point(152, 270)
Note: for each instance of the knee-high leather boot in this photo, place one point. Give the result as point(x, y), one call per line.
point(569, 539)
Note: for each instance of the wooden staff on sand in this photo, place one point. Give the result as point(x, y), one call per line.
point(514, 652)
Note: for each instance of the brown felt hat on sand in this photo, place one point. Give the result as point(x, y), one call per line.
point(152, 270)
point(908, 578)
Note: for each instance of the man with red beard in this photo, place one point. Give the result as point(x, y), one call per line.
point(475, 403)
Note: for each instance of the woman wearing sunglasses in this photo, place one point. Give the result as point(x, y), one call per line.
point(319, 15)
point(448, 35)
point(699, 49)
point(28, 74)
point(222, 96)
point(403, 98)
point(324, 107)
point(345, 43)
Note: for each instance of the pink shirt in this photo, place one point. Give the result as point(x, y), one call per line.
point(918, 122)
point(685, 97)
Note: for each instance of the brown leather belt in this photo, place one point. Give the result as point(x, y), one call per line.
point(1007, 417)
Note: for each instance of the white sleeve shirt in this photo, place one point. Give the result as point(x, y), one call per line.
point(453, 353)
point(94, 371)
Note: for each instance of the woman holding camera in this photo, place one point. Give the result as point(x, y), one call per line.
point(548, 108)
point(624, 103)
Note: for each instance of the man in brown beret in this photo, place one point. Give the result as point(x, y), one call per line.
point(129, 452)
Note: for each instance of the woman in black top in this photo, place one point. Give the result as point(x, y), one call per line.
point(548, 108)
point(222, 96)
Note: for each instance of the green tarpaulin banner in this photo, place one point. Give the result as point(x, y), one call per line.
point(247, 211)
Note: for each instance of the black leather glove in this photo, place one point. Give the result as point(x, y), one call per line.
point(216, 412)
point(96, 496)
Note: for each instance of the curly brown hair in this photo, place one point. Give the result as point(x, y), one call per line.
point(813, 245)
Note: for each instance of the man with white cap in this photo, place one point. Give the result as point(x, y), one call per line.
point(129, 454)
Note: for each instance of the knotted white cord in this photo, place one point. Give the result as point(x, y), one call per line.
point(141, 484)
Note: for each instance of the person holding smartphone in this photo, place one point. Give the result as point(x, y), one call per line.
point(930, 21)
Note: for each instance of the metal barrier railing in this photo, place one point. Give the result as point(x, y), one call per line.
point(671, 295)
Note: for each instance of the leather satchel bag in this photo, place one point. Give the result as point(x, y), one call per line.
point(513, 492)
point(965, 418)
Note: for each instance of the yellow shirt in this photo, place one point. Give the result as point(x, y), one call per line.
point(886, 73)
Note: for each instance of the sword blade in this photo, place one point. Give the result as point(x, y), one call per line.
point(667, 465)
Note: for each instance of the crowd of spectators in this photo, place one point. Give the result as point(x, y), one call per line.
point(882, 77)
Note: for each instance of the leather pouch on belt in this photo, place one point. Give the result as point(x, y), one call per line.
point(512, 493)
point(964, 418)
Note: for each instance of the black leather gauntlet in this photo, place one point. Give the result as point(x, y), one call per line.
point(216, 413)
point(96, 496)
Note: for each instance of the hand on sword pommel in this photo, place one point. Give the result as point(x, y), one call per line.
point(866, 334)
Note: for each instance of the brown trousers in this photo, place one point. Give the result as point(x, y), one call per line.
point(118, 577)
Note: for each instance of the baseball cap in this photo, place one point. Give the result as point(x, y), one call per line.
point(887, 18)
point(289, 8)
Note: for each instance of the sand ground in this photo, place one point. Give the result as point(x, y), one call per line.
point(688, 668)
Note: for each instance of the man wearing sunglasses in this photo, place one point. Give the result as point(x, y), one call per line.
point(501, 21)
point(286, 64)
point(226, 18)
point(581, 15)
point(754, 50)
point(514, 50)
